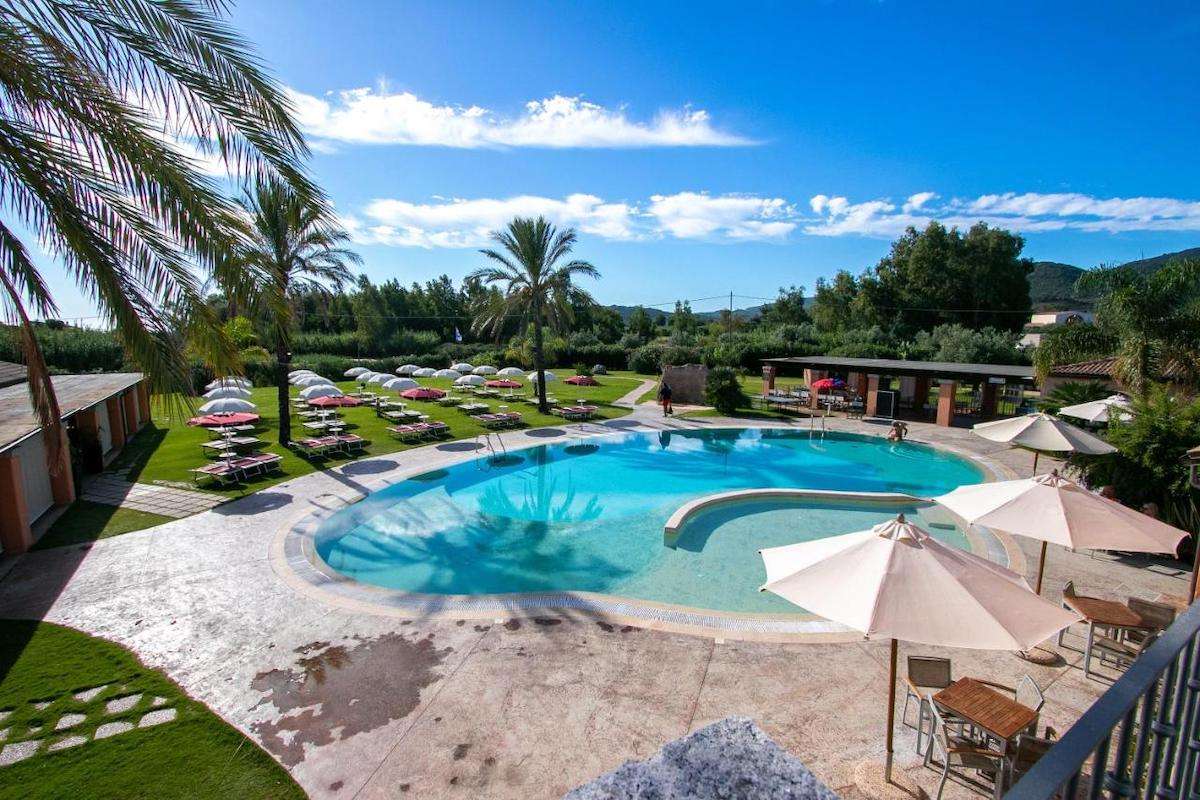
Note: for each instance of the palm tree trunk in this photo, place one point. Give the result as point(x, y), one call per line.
point(283, 363)
point(538, 366)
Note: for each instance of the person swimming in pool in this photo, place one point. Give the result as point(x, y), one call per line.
point(898, 431)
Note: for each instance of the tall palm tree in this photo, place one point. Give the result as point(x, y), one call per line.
point(100, 100)
point(537, 287)
point(1154, 318)
point(294, 245)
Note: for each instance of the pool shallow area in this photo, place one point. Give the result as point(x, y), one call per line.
point(589, 516)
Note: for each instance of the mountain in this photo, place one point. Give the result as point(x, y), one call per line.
point(1052, 283)
point(704, 316)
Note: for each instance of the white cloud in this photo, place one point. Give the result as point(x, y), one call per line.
point(1030, 212)
point(689, 215)
point(376, 116)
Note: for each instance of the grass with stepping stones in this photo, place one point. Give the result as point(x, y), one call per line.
point(85, 521)
point(104, 700)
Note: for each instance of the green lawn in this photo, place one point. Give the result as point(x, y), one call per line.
point(168, 448)
point(195, 755)
point(85, 521)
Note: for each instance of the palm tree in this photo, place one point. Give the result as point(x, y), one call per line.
point(537, 288)
point(99, 102)
point(1154, 318)
point(293, 246)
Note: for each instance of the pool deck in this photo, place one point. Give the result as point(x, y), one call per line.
point(359, 702)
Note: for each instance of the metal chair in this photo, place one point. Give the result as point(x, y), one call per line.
point(959, 754)
point(1157, 616)
point(925, 675)
point(1027, 752)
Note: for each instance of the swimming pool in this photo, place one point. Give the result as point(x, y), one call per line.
point(588, 516)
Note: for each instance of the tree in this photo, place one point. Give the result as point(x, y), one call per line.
point(89, 89)
point(640, 324)
point(1155, 319)
point(537, 286)
point(683, 323)
point(723, 391)
point(788, 309)
point(1070, 344)
point(834, 303)
point(1072, 393)
point(293, 245)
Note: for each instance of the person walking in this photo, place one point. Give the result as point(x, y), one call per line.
point(664, 397)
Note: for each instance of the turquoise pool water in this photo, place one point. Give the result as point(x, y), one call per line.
point(589, 516)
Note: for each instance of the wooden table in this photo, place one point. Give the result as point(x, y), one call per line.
point(1105, 613)
point(982, 706)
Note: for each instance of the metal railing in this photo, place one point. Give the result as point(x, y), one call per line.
point(1141, 739)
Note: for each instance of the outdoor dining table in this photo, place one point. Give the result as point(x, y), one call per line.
point(472, 407)
point(230, 429)
point(231, 443)
point(978, 704)
point(1097, 611)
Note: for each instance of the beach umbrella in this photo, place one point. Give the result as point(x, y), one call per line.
point(502, 383)
point(227, 391)
point(224, 418)
point(825, 384)
point(462, 367)
point(399, 384)
point(897, 582)
point(422, 393)
point(296, 372)
point(1038, 432)
point(582, 380)
point(305, 381)
point(424, 372)
point(550, 376)
point(407, 369)
point(484, 369)
point(1099, 410)
point(1056, 510)
point(470, 380)
point(226, 405)
point(333, 401)
point(380, 378)
point(238, 382)
point(321, 390)
point(451, 374)
point(365, 377)
point(511, 372)
point(354, 372)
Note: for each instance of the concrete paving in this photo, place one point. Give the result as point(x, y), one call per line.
point(359, 703)
point(110, 488)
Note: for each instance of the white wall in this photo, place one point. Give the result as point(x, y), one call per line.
point(104, 427)
point(39, 494)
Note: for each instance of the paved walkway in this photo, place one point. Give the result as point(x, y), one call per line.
point(111, 489)
point(359, 703)
point(629, 399)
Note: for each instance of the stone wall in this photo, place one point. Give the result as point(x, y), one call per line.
point(686, 382)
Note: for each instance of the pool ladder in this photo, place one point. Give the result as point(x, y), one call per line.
point(493, 455)
point(812, 426)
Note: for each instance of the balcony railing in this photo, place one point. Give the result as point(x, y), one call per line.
point(1141, 739)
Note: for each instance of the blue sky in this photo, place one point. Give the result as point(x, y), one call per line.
point(714, 147)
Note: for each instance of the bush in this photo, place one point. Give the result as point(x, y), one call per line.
point(723, 391)
point(68, 349)
point(1072, 393)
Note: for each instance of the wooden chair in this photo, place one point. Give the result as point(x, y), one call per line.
point(959, 754)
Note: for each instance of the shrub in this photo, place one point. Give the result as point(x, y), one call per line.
point(583, 369)
point(646, 360)
point(68, 349)
point(1072, 393)
point(723, 391)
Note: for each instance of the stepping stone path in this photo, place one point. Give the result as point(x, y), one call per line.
point(113, 489)
point(19, 751)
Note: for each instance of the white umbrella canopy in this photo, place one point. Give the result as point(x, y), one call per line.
point(320, 390)
point(1099, 410)
point(452, 374)
point(424, 372)
point(407, 369)
point(462, 367)
point(354, 372)
point(1043, 432)
point(470, 380)
point(222, 392)
point(365, 377)
point(897, 581)
point(550, 376)
point(227, 405)
point(304, 381)
point(484, 369)
point(511, 372)
point(400, 384)
point(239, 382)
point(296, 372)
point(380, 378)
point(1056, 510)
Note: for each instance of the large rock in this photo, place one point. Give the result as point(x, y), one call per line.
point(729, 760)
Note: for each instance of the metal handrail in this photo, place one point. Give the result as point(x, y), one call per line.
point(1148, 722)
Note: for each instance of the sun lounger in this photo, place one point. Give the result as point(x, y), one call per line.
point(406, 433)
point(575, 413)
point(220, 473)
point(351, 443)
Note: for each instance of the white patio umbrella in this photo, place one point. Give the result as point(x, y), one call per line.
point(484, 369)
point(365, 377)
point(462, 367)
point(424, 372)
point(1039, 432)
point(470, 380)
point(1099, 410)
point(1056, 510)
point(895, 581)
point(320, 390)
point(511, 372)
point(380, 378)
point(400, 384)
point(223, 392)
point(305, 381)
point(226, 405)
point(354, 372)
point(550, 376)
point(452, 374)
point(296, 372)
point(239, 382)
point(407, 369)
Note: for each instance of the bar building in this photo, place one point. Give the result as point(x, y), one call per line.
point(100, 412)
